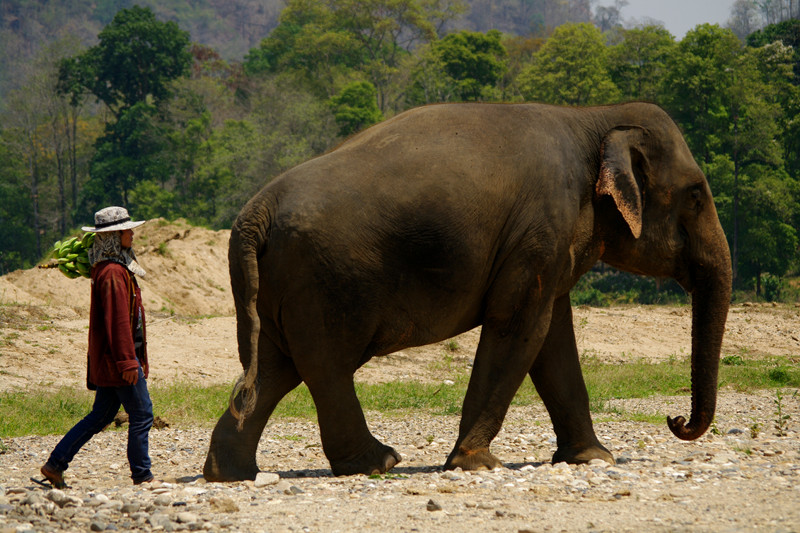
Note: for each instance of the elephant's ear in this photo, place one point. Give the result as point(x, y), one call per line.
point(617, 177)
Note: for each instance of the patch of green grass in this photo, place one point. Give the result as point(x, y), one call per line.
point(22, 413)
point(732, 360)
point(615, 414)
point(769, 373)
point(185, 404)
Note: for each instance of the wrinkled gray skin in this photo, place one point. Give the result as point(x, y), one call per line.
point(449, 217)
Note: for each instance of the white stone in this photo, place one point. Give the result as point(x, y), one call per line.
point(264, 479)
point(187, 518)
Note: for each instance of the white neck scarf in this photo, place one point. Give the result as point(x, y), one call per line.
point(108, 247)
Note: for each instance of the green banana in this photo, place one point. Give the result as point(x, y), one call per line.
point(88, 239)
point(72, 255)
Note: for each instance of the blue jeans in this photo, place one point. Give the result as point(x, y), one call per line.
point(136, 401)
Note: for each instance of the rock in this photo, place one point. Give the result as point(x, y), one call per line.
point(223, 504)
point(186, 517)
point(265, 479)
point(159, 519)
point(163, 500)
point(130, 508)
point(72, 501)
point(97, 501)
point(283, 486)
point(58, 497)
point(97, 526)
point(32, 498)
point(433, 506)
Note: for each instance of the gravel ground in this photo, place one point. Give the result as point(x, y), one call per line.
point(726, 481)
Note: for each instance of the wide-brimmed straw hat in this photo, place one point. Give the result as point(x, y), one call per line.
point(112, 219)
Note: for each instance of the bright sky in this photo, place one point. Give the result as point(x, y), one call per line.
point(678, 16)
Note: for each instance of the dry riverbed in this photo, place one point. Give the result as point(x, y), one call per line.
point(728, 481)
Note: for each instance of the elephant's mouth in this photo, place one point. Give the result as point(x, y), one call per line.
point(683, 270)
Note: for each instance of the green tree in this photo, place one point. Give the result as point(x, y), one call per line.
point(787, 34)
point(133, 149)
point(287, 125)
point(571, 68)
point(324, 41)
point(463, 66)
point(355, 108)
point(729, 102)
point(474, 61)
point(697, 86)
point(18, 239)
point(130, 70)
point(638, 63)
point(753, 140)
point(136, 58)
point(769, 241)
point(308, 42)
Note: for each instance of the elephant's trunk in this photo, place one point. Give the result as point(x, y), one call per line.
point(710, 302)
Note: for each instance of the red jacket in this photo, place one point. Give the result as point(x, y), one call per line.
point(116, 306)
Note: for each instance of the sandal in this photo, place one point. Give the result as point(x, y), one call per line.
point(55, 477)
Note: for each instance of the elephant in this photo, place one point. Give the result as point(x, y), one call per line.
point(448, 217)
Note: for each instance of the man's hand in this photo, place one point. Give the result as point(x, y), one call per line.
point(131, 377)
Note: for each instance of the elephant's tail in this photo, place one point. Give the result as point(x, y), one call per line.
point(248, 238)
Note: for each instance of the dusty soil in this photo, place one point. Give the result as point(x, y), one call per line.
point(731, 481)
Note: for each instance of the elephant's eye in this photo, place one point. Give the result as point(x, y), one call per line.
point(695, 198)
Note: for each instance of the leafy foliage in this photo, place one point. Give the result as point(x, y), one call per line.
point(571, 68)
point(355, 107)
point(177, 130)
point(135, 59)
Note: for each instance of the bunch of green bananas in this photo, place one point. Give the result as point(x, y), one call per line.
point(72, 255)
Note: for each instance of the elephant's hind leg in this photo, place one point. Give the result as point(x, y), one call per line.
point(232, 453)
point(346, 439)
point(556, 373)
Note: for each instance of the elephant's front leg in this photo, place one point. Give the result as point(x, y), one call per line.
point(556, 373)
point(346, 439)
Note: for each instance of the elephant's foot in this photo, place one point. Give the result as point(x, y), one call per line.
point(580, 455)
point(480, 459)
point(379, 459)
point(226, 467)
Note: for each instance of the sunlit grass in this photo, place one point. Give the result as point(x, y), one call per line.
point(187, 404)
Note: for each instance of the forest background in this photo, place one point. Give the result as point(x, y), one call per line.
point(180, 109)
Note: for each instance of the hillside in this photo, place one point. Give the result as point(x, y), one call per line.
point(187, 274)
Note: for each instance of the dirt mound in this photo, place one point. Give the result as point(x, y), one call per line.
point(187, 274)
